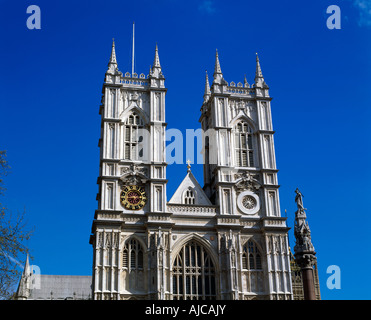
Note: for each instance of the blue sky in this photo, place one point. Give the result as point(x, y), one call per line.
point(319, 79)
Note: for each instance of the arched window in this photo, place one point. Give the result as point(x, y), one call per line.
point(193, 274)
point(243, 145)
point(189, 196)
point(251, 258)
point(131, 137)
point(252, 267)
point(132, 255)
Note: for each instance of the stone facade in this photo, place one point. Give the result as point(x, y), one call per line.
point(226, 240)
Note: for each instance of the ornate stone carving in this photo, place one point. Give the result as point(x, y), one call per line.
point(304, 249)
point(247, 181)
point(134, 96)
point(133, 175)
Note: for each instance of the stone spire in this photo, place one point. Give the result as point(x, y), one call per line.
point(112, 59)
point(258, 73)
point(112, 64)
point(217, 69)
point(156, 62)
point(304, 250)
point(156, 71)
point(207, 92)
point(218, 75)
point(23, 290)
point(259, 79)
point(245, 83)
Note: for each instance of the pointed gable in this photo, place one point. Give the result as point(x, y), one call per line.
point(190, 192)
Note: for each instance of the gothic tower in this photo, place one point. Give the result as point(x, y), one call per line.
point(240, 174)
point(132, 181)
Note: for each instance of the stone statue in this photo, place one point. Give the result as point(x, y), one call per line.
point(299, 200)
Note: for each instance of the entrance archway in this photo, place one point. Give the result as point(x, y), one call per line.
point(193, 274)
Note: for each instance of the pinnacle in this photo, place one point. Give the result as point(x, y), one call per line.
point(156, 62)
point(113, 53)
point(207, 92)
point(217, 69)
point(207, 85)
point(258, 73)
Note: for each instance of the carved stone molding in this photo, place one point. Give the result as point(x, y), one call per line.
point(247, 181)
point(133, 175)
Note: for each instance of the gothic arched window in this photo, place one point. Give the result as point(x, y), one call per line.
point(189, 196)
point(193, 274)
point(132, 255)
point(252, 264)
point(243, 145)
point(132, 137)
point(251, 256)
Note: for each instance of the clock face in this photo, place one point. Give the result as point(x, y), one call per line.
point(249, 202)
point(133, 197)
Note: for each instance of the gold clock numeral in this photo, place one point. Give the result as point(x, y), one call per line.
point(136, 194)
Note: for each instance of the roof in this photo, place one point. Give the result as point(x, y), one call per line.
point(60, 287)
point(190, 182)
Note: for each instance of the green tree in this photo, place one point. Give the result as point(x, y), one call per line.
point(13, 235)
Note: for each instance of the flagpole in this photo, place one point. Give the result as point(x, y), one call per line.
point(132, 61)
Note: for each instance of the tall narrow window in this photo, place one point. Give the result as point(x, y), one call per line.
point(222, 112)
point(272, 203)
point(110, 193)
point(189, 196)
point(158, 198)
point(243, 145)
point(268, 152)
point(157, 106)
point(131, 137)
point(265, 115)
point(132, 255)
point(193, 274)
point(252, 262)
point(227, 201)
point(252, 256)
point(111, 141)
point(113, 103)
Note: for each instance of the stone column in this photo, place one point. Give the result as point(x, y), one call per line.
point(304, 250)
point(306, 262)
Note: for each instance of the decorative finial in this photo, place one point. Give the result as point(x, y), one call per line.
point(207, 88)
point(156, 62)
point(245, 83)
point(189, 165)
point(258, 73)
point(113, 53)
point(217, 69)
